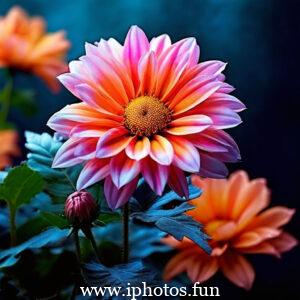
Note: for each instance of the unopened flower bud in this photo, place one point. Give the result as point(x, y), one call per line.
point(81, 209)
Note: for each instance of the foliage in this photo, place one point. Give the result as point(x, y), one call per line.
point(37, 191)
point(133, 273)
point(143, 240)
point(167, 213)
point(50, 238)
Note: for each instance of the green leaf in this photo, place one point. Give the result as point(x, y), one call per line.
point(20, 185)
point(54, 220)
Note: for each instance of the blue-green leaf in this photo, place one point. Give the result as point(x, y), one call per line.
point(119, 276)
point(49, 238)
point(168, 213)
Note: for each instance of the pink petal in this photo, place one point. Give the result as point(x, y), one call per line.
point(105, 78)
point(222, 116)
point(232, 155)
point(170, 67)
point(94, 171)
point(66, 154)
point(237, 269)
point(111, 52)
point(177, 182)
point(211, 167)
point(186, 156)
point(87, 131)
point(189, 125)
point(138, 148)
point(147, 71)
point(156, 175)
point(118, 197)
point(194, 99)
point(228, 101)
point(116, 49)
point(113, 142)
point(86, 147)
point(73, 115)
point(98, 99)
point(161, 150)
point(160, 44)
point(123, 169)
point(226, 88)
point(135, 46)
point(211, 67)
point(207, 143)
point(69, 80)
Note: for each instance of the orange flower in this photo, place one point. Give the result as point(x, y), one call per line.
point(8, 147)
point(231, 212)
point(25, 45)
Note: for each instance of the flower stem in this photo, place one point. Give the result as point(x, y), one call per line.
point(125, 233)
point(89, 234)
point(78, 256)
point(13, 227)
point(77, 245)
point(7, 93)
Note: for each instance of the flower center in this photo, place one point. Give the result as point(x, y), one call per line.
point(145, 116)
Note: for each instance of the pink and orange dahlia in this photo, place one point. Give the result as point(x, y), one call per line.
point(234, 215)
point(147, 108)
point(24, 45)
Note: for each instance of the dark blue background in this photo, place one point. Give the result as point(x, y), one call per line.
point(260, 41)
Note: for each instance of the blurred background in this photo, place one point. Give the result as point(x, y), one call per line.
point(260, 42)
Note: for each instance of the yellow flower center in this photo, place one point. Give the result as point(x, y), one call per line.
point(145, 116)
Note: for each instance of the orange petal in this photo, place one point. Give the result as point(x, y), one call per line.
point(274, 217)
point(161, 150)
point(184, 243)
point(203, 211)
point(178, 264)
point(186, 156)
point(113, 142)
point(236, 184)
point(221, 230)
point(262, 248)
point(138, 148)
point(189, 125)
point(147, 70)
point(203, 268)
point(254, 198)
point(256, 236)
point(284, 242)
point(237, 269)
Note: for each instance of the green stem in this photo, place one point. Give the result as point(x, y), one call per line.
point(89, 234)
point(125, 233)
point(77, 245)
point(78, 256)
point(6, 99)
point(13, 227)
